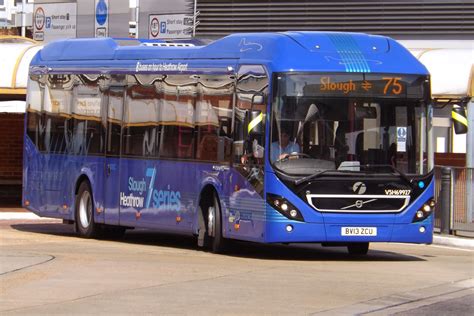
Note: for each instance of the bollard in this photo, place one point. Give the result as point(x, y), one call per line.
point(445, 196)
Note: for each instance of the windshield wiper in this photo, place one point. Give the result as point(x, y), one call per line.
point(400, 173)
point(311, 177)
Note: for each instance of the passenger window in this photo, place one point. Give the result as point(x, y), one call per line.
point(176, 119)
point(57, 113)
point(87, 136)
point(140, 130)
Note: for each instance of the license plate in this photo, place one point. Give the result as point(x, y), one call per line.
point(359, 231)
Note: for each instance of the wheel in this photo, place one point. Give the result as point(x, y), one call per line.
point(210, 231)
point(214, 227)
point(85, 224)
point(358, 248)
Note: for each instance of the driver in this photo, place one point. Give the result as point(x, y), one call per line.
point(283, 148)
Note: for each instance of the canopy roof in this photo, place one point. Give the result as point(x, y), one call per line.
point(451, 65)
point(16, 54)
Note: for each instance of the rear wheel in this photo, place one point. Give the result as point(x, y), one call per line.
point(85, 224)
point(358, 248)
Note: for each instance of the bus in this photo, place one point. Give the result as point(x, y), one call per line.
point(293, 137)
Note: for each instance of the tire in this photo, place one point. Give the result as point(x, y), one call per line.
point(358, 248)
point(212, 219)
point(84, 212)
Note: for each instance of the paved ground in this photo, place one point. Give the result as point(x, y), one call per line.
point(45, 269)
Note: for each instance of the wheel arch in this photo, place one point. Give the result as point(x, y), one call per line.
point(83, 177)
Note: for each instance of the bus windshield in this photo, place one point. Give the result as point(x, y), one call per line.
point(349, 123)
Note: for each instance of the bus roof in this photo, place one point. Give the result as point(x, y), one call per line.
point(287, 51)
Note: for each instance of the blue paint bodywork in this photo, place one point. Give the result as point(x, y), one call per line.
point(50, 180)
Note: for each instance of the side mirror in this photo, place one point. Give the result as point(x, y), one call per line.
point(459, 117)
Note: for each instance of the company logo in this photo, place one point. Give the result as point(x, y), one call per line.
point(359, 188)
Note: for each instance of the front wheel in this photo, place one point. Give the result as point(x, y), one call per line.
point(210, 232)
point(358, 248)
point(214, 228)
point(85, 224)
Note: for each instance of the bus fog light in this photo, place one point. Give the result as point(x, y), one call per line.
point(426, 208)
point(289, 228)
point(422, 229)
point(293, 213)
point(420, 214)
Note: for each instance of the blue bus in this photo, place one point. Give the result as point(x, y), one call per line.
point(295, 137)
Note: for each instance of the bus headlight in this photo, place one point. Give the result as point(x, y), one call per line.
point(284, 207)
point(424, 211)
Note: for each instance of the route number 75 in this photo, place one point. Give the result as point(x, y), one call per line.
point(394, 84)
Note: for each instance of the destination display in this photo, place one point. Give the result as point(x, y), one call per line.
point(361, 85)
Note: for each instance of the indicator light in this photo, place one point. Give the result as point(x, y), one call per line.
point(27, 203)
point(178, 219)
point(236, 226)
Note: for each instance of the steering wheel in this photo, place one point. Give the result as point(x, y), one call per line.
point(294, 155)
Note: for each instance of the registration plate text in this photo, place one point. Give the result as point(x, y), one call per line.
point(359, 231)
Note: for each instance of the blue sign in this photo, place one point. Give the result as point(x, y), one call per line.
point(101, 12)
point(48, 22)
point(162, 27)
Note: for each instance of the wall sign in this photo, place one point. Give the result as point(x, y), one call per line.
point(170, 26)
point(54, 21)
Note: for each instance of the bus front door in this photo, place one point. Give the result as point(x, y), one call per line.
point(112, 155)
